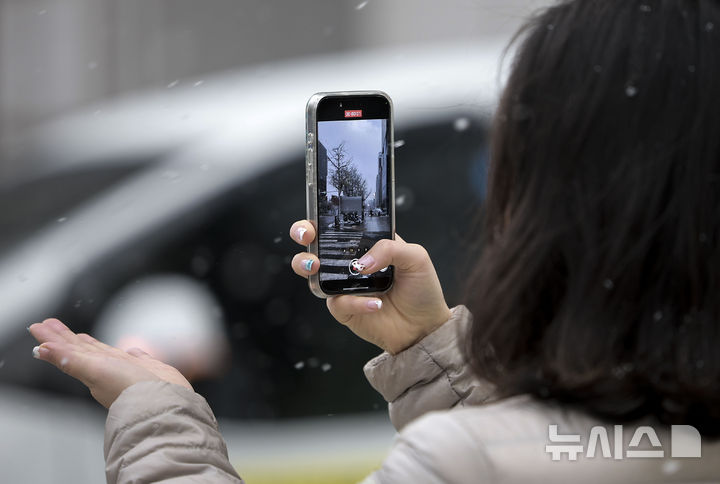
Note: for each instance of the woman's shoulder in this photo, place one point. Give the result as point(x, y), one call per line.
point(474, 443)
point(522, 439)
point(518, 423)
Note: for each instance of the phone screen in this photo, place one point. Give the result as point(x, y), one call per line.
point(354, 179)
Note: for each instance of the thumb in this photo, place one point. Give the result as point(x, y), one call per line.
point(397, 253)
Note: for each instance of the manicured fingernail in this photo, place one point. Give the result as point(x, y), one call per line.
point(366, 261)
point(307, 264)
point(301, 233)
point(374, 304)
point(39, 351)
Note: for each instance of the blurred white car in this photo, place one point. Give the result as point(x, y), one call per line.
point(162, 218)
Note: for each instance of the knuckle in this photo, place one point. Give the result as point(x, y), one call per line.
point(418, 250)
point(383, 244)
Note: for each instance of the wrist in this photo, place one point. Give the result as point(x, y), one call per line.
point(421, 331)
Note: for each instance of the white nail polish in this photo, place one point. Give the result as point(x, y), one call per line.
point(374, 305)
point(36, 352)
point(301, 232)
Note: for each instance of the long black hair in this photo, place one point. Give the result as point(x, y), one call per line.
point(599, 278)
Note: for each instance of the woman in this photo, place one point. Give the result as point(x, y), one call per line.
point(594, 296)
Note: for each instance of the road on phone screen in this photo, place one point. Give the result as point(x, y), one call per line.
point(339, 246)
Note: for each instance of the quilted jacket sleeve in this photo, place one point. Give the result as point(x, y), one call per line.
point(160, 432)
point(430, 375)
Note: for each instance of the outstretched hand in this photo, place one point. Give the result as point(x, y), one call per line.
point(104, 369)
point(410, 310)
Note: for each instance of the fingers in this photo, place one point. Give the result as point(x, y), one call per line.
point(90, 341)
point(398, 253)
point(52, 330)
point(305, 264)
point(302, 232)
point(64, 357)
point(343, 308)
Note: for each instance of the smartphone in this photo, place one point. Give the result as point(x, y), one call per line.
point(350, 179)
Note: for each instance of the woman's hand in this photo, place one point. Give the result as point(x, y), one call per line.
point(105, 370)
point(412, 309)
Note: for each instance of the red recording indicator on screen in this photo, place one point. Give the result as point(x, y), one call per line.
point(353, 113)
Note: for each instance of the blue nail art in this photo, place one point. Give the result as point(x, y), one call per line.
point(308, 264)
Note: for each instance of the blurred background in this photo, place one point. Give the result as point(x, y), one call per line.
point(151, 163)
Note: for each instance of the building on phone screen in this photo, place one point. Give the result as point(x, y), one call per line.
point(381, 191)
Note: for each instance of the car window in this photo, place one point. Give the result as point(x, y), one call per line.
point(30, 205)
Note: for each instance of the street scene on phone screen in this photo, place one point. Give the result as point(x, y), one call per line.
point(353, 211)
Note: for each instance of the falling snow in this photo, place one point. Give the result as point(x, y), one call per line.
point(461, 124)
point(361, 5)
point(670, 467)
point(170, 175)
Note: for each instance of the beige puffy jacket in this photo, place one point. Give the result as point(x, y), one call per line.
point(158, 432)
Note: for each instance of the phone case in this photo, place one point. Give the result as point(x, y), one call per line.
point(311, 173)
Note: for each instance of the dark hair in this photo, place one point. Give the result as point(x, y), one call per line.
point(598, 283)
